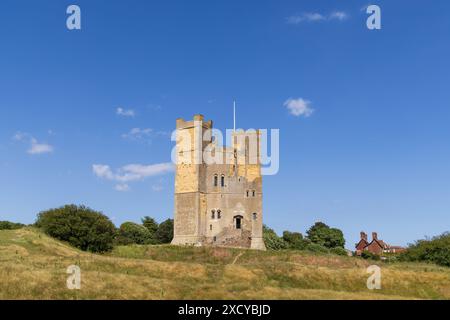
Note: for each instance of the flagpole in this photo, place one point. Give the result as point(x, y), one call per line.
point(234, 115)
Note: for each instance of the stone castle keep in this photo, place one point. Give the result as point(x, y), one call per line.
point(217, 203)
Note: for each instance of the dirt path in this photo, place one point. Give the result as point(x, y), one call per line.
point(237, 257)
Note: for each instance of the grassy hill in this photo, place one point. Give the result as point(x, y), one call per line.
point(33, 266)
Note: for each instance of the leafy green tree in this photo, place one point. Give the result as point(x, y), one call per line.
point(130, 232)
point(151, 225)
point(325, 236)
point(164, 234)
point(80, 226)
point(295, 240)
point(435, 250)
point(272, 240)
point(7, 225)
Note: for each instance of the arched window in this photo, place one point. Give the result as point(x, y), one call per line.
point(247, 193)
point(253, 192)
point(213, 214)
point(219, 214)
point(255, 216)
point(216, 180)
point(222, 181)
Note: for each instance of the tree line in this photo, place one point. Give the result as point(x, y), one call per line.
point(319, 238)
point(7, 225)
point(91, 230)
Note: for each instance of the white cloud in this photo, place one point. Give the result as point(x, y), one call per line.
point(39, 148)
point(125, 112)
point(338, 15)
point(131, 172)
point(139, 171)
point(122, 187)
point(144, 134)
point(299, 107)
point(316, 17)
point(20, 136)
point(308, 17)
point(103, 171)
point(35, 146)
point(137, 133)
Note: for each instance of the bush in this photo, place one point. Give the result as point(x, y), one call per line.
point(369, 255)
point(7, 225)
point(164, 234)
point(436, 250)
point(339, 251)
point(295, 240)
point(80, 226)
point(325, 236)
point(314, 247)
point(272, 240)
point(133, 233)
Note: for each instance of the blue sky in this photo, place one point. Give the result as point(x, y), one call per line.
point(373, 155)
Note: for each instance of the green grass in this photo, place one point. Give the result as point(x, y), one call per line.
point(33, 266)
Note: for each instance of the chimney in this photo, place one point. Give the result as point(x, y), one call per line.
point(374, 236)
point(363, 235)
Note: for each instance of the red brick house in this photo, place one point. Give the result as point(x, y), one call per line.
point(362, 243)
point(376, 246)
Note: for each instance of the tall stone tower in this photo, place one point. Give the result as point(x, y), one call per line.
point(218, 189)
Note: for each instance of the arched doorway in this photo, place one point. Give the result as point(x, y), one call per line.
point(238, 222)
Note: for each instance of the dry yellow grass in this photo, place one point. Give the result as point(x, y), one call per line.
point(33, 266)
